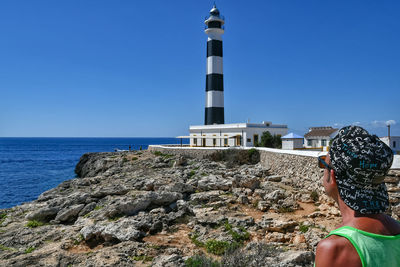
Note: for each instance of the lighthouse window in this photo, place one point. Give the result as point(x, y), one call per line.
point(214, 24)
point(248, 140)
point(225, 141)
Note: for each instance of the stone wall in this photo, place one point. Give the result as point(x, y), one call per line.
point(187, 152)
point(302, 170)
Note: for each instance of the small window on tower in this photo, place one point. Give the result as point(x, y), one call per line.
point(394, 143)
point(248, 140)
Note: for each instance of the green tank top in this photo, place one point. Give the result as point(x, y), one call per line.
point(373, 249)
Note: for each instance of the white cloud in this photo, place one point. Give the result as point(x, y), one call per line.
point(382, 123)
point(391, 122)
point(356, 123)
point(338, 125)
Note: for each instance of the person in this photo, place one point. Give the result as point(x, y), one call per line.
point(355, 167)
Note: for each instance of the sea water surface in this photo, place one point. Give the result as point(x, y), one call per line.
point(30, 166)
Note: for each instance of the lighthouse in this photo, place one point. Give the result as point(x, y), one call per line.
point(214, 132)
point(214, 110)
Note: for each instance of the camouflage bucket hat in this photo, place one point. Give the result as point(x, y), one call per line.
point(360, 162)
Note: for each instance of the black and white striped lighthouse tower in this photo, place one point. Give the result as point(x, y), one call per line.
point(214, 112)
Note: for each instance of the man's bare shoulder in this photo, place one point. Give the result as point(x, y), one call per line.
point(336, 250)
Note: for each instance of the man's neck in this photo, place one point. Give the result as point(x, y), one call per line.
point(351, 217)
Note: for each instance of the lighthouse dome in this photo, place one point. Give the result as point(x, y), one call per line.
point(214, 11)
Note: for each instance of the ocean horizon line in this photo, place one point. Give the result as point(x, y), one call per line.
point(125, 137)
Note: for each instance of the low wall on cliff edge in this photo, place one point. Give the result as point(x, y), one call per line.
point(298, 165)
point(301, 166)
point(277, 160)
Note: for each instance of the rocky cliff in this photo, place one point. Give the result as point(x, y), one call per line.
point(155, 209)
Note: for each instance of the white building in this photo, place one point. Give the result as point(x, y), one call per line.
point(234, 134)
point(319, 137)
point(292, 141)
point(393, 143)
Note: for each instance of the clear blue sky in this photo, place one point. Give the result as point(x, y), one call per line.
point(137, 68)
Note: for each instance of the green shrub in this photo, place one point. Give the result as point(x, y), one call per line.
point(239, 236)
point(267, 140)
point(257, 255)
point(314, 196)
point(115, 218)
point(191, 173)
point(254, 156)
point(3, 217)
point(4, 248)
point(158, 153)
point(196, 241)
point(285, 209)
point(234, 157)
point(216, 247)
point(201, 261)
point(29, 250)
point(34, 224)
point(143, 258)
point(303, 228)
point(134, 158)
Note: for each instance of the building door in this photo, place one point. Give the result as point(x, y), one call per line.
point(238, 140)
point(255, 139)
point(203, 142)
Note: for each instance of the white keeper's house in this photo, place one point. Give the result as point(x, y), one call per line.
point(233, 134)
point(214, 132)
point(319, 137)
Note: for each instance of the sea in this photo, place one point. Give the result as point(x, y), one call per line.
point(31, 166)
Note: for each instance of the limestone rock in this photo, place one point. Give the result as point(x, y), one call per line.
point(213, 182)
point(44, 214)
point(69, 214)
point(173, 260)
point(251, 182)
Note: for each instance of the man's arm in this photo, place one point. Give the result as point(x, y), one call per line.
point(336, 251)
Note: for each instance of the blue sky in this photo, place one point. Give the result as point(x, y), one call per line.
point(137, 68)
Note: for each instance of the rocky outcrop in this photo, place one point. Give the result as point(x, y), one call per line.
point(164, 210)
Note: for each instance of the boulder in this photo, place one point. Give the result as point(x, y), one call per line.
point(44, 214)
point(213, 182)
point(274, 196)
point(204, 197)
point(109, 191)
point(122, 230)
point(127, 206)
point(251, 182)
point(69, 214)
point(295, 258)
point(173, 260)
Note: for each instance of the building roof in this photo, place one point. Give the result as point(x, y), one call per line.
point(265, 125)
point(320, 131)
point(292, 136)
